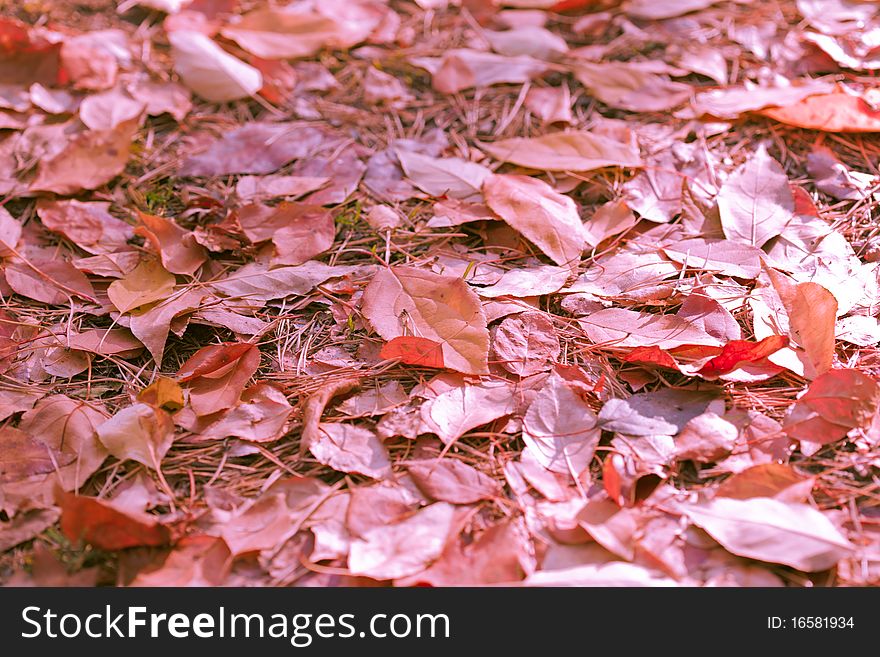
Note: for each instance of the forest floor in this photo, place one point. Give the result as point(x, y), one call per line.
point(356, 292)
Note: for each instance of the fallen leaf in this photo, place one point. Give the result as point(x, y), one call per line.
point(648, 10)
point(493, 558)
point(525, 343)
point(545, 217)
point(453, 413)
point(440, 308)
point(533, 41)
point(217, 375)
point(413, 350)
point(279, 33)
point(52, 282)
point(834, 403)
point(775, 480)
point(403, 548)
point(138, 432)
point(449, 480)
point(527, 281)
point(256, 148)
point(68, 426)
point(729, 257)
point(146, 283)
point(796, 535)
point(462, 68)
point(565, 151)
point(664, 412)
point(194, 561)
point(629, 86)
point(260, 417)
point(755, 203)
point(812, 314)
point(706, 439)
point(89, 159)
point(209, 70)
point(375, 401)
point(179, 252)
point(830, 112)
point(620, 328)
point(88, 225)
point(731, 102)
point(352, 449)
point(109, 109)
point(97, 523)
point(256, 188)
point(550, 104)
point(255, 282)
point(163, 393)
point(267, 521)
point(25, 526)
point(151, 326)
point(443, 176)
point(560, 429)
point(737, 352)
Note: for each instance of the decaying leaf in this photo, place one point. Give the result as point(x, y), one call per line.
point(543, 216)
point(756, 202)
point(440, 308)
point(761, 528)
point(565, 151)
point(217, 375)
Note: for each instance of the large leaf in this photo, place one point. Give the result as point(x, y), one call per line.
point(618, 328)
point(455, 412)
point(209, 70)
point(139, 432)
point(403, 548)
point(834, 403)
point(443, 176)
point(545, 217)
point(632, 87)
point(835, 112)
point(565, 151)
point(217, 375)
point(796, 535)
point(560, 429)
point(756, 202)
point(441, 308)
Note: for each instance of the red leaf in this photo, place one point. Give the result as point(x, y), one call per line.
point(568, 5)
point(99, 524)
point(737, 352)
point(212, 359)
point(652, 355)
point(414, 351)
point(803, 202)
point(218, 374)
point(835, 112)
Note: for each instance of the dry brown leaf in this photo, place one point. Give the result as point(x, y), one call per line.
point(179, 252)
point(352, 449)
point(88, 225)
point(543, 216)
point(525, 343)
point(565, 151)
point(560, 429)
point(796, 535)
point(139, 432)
point(88, 160)
point(399, 300)
point(756, 202)
point(217, 375)
point(146, 283)
point(209, 70)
